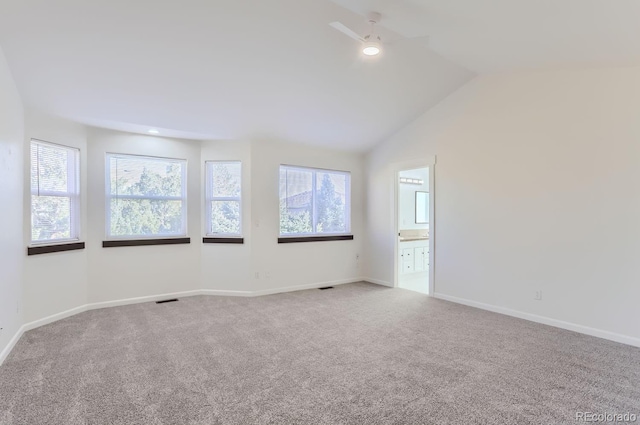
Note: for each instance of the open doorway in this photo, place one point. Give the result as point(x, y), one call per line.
point(414, 236)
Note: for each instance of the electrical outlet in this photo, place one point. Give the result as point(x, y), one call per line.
point(257, 275)
point(357, 257)
point(537, 295)
point(267, 275)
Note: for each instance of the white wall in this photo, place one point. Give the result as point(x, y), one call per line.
point(55, 282)
point(279, 266)
point(228, 266)
point(407, 198)
point(129, 272)
point(62, 281)
point(295, 264)
point(536, 189)
point(12, 249)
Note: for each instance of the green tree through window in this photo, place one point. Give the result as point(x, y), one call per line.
point(330, 207)
point(224, 197)
point(54, 192)
point(147, 196)
point(313, 201)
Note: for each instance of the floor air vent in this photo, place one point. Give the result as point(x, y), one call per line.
point(167, 301)
point(326, 287)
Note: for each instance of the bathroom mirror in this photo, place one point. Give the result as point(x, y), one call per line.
point(422, 207)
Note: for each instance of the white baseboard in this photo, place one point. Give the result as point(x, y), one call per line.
point(225, 293)
point(624, 339)
point(12, 343)
point(55, 317)
point(304, 287)
point(378, 281)
point(271, 291)
point(36, 324)
point(138, 300)
point(115, 303)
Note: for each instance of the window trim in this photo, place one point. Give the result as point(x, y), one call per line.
point(311, 237)
point(331, 238)
point(208, 189)
point(113, 243)
point(60, 247)
point(229, 240)
point(144, 238)
point(75, 201)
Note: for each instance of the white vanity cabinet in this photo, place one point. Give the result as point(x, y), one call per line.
point(408, 261)
point(414, 256)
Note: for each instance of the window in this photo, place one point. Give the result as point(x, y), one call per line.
point(223, 198)
point(146, 197)
point(55, 193)
point(314, 202)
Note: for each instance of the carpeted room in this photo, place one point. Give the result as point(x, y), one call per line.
point(358, 353)
point(533, 149)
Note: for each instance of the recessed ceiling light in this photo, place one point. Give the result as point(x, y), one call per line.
point(153, 131)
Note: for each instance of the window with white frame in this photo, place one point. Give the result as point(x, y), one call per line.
point(314, 202)
point(146, 197)
point(223, 198)
point(55, 193)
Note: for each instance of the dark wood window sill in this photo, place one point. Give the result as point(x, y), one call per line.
point(223, 240)
point(297, 239)
point(145, 242)
point(47, 249)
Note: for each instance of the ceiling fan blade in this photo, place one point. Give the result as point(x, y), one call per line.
point(346, 30)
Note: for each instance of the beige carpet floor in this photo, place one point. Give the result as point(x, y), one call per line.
point(355, 354)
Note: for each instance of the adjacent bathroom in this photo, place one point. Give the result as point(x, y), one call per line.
point(413, 230)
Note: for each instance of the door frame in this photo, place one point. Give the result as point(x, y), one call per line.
point(428, 162)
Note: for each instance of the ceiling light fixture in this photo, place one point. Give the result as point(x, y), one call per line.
point(372, 43)
point(407, 180)
point(371, 48)
point(153, 131)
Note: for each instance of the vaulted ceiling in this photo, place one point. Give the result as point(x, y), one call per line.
point(488, 36)
point(229, 69)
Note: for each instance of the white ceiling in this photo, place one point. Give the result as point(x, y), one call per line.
point(506, 35)
point(218, 69)
point(229, 69)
